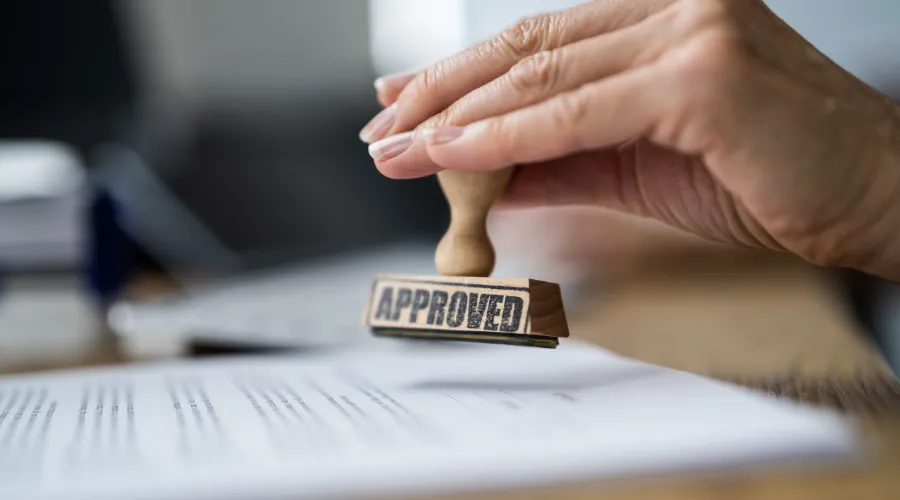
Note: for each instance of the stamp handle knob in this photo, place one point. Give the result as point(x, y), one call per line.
point(466, 248)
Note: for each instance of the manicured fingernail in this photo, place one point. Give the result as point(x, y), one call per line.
point(442, 134)
point(391, 147)
point(397, 81)
point(380, 125)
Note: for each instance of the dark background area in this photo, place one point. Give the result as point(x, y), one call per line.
point(283, 175)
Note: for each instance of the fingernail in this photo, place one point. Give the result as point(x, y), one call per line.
point(397, 80)
point(442, 134)
point(391, 147)
point(379, 126)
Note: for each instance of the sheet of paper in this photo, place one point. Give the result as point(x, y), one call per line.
point(412, 417)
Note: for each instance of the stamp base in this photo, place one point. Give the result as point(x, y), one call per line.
point(519, 340)
point(517, 311)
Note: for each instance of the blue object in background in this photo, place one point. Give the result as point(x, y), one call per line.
point(110, 257)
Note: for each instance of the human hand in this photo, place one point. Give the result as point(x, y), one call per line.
point(712, 116)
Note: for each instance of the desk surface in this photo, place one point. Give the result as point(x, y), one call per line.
point(770, 323)
point(762, 321)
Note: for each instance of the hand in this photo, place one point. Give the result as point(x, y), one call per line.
point(712, 116)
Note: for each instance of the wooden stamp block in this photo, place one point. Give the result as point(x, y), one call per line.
point(493, 310)
point(464, 303)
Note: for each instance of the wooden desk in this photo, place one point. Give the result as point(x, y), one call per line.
point(763, 321)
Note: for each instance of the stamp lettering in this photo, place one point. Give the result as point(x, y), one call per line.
point(512, 314)
point(456, 310)
point(436, 311)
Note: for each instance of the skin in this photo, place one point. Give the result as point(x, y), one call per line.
point(712, 116)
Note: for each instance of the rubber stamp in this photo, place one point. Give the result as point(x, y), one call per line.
point(463, 302)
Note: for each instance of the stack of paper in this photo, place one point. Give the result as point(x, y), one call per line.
point(42, 202)
point(409, 418)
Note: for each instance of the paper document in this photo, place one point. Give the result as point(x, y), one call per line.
point(415, 418)
point(301, 305)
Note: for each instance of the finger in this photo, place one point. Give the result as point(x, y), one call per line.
point(531, 81)
point(600, 110)
point(549, 73)
point(609, 112)
point(446, 81)
point(388, 88)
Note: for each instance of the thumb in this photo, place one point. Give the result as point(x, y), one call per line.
point(590, 178)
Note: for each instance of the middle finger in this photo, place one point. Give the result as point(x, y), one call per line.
point(445, 82)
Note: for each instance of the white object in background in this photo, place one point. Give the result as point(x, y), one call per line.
point(410, 420)
point(47, 320)
point(42, 197)
point(37, 169)
point(408, 34)
point(484, 20)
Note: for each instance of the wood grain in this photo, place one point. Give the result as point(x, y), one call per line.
point(548, 315)
point(770, 323)
point(466, 249)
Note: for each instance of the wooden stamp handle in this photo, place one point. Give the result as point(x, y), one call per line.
point(466, 248)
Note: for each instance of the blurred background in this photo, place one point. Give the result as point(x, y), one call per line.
point(216, 136)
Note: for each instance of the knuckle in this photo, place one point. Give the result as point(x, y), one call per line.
point(708, 74)
point(442, 118)
point(537, 73)
point(460, 112)
point(451, 115)
point(529, 35)
point(428, 81)
point(569, 115)
point(698, 14)
point(712, 60)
